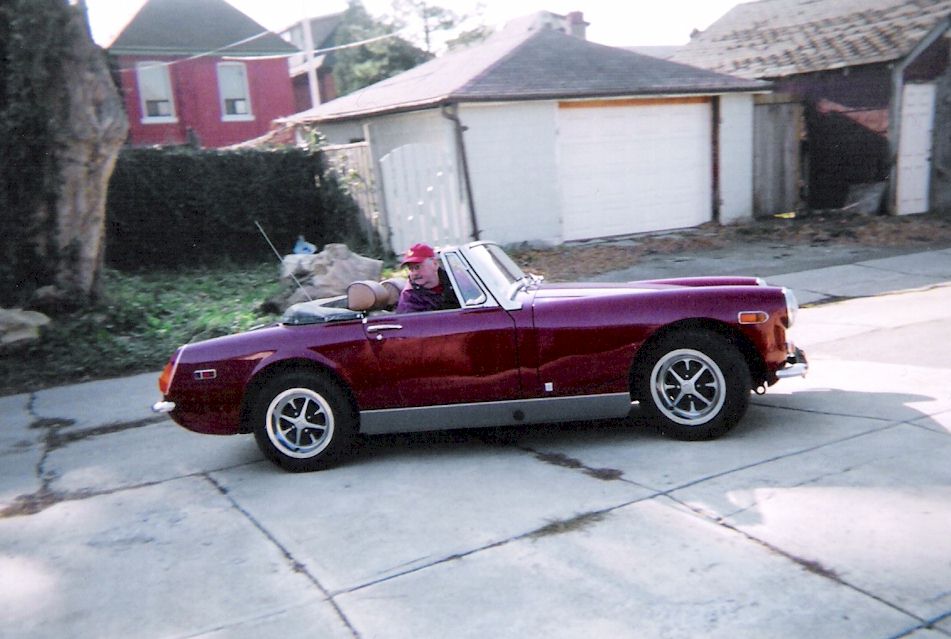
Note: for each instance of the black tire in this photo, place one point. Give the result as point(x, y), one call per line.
point(303, 422)
point(693, 385)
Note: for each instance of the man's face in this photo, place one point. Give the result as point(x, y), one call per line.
point(425, 273)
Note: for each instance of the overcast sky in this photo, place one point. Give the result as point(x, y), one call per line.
point(613, 22)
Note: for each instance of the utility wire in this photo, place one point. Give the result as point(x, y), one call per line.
point(196, 56)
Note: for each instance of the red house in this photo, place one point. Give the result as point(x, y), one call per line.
point(200, 72)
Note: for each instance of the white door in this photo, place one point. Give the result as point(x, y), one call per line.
point(914, 148)
point(423, 197)
point(634, 166)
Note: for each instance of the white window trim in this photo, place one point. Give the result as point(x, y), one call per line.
point(155, 119)
point(242, 117)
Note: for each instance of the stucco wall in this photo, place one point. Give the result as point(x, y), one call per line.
point(512, 165)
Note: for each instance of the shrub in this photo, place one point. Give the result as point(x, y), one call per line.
point(186, 207)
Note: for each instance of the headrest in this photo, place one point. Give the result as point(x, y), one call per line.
point(367, 295)
point(394, 286)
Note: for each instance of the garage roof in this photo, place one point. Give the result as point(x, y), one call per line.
point(188, 27)
point(527, 65)
point(776, 38)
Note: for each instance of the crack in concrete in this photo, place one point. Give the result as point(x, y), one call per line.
point(59, 439)
point(296, 565)
point(53, 439)
point(809, 565)
point(573, 524)
point(554, 527)
point(927, 624)
point(886, 420)
point(562, 460)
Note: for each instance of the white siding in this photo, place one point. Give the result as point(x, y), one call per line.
point(511, 154)
point(736, 157)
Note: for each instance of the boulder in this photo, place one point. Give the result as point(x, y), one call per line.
point(19, 328)
point(322, 275)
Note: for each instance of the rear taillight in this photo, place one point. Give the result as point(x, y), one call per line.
point(165, 379)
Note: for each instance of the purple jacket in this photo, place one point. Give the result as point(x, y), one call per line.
point(414, 299)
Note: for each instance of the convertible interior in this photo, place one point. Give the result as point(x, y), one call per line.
point(362, 297)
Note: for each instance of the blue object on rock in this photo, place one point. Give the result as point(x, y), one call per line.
point(303, 247)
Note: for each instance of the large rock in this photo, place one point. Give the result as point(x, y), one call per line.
point(324, 274)
point(19, 328)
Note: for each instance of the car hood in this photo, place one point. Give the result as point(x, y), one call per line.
point(597, 289)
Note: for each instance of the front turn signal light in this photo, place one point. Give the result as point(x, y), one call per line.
point(752, 317)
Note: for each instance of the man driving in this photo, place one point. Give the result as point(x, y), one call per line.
point(428, 288)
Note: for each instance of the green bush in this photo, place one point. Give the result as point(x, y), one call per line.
point(178, 207)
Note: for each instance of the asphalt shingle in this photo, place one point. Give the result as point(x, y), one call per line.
point(525, 65)
point(777, 38)
point(189, 27)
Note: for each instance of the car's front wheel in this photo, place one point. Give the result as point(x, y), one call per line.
point(693, 385)
point(303, 422)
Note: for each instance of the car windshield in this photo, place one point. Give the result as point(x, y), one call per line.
point(495, 266)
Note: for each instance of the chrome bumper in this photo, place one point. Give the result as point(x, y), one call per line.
point(163, 407)
point(796, 365)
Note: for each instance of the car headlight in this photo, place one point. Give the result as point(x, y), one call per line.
point(792, 307)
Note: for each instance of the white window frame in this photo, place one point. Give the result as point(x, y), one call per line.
point(248, 115)
point(162, 80)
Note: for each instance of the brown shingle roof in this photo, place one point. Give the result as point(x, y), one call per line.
point(527, 65)
point(188, 27)
point(776, 38)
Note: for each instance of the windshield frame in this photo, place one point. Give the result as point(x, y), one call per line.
point(498, 272)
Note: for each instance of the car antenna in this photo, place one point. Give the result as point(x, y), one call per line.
point(281, 260)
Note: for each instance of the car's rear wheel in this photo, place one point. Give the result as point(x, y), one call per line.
point(693, 385)
point(303, 422)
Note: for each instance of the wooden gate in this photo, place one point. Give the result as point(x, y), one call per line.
point(777, 134)
point(423, 196)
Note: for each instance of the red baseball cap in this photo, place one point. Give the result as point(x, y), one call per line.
point(418, 253)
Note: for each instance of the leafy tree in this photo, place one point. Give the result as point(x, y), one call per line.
point(469, 37)
point(430, 18)
point(357, 67)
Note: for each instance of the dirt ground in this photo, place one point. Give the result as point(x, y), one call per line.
point(577, 260)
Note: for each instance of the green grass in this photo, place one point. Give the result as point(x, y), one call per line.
point(139, 322)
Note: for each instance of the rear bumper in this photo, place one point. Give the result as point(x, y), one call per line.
point(163, 407)
point(796, 365)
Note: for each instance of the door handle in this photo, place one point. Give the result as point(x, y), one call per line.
point(377, 328)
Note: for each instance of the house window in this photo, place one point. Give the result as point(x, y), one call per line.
point(155, 92)
point(233, 87)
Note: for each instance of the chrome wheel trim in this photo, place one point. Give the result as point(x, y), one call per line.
point(688, 387)
point(300, 423)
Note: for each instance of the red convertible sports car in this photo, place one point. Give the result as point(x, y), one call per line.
point(516, 351)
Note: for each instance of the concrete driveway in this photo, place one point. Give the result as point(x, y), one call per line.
point(826, 513)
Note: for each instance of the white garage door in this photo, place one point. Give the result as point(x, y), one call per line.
point(634, 166)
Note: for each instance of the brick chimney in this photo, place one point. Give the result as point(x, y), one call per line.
point(577, 26)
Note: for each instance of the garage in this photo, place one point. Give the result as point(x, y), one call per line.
point(635, 165)
point(550, 139)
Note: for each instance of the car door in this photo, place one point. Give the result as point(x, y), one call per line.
point(452, 356)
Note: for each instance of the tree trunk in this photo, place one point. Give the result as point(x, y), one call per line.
point(88, 144)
